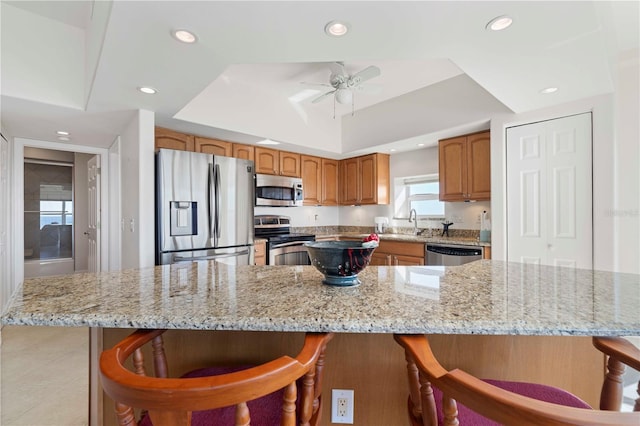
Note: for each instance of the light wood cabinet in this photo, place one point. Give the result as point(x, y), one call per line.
point(165, 138)
point(289, 164)
point(486, 253)
point(320, 180)
point(213, 146)
point(465, 167)
point(311, 180)
point(274, 162)
point(396, 253)
point(260, 252)
point(330, 182)
point(244, 152)
point(365, 180)
point(399, 253)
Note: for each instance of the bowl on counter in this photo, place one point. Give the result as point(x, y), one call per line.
point(340, 261)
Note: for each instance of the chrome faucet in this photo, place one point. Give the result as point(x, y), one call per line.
point(415, 220)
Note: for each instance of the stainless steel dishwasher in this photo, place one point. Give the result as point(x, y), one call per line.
point(451, 255)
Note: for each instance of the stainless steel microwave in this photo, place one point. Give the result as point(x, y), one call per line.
point(279, 191)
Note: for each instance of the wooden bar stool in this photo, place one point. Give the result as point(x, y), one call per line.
point(266, 394)
point(442, 397)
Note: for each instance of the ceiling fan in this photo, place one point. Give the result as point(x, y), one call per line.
point(343, 85)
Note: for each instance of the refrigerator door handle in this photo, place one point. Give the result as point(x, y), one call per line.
point(212, 257)
point(210, 187)
point(216, 179)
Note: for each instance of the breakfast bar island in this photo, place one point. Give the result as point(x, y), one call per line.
point(492, 318)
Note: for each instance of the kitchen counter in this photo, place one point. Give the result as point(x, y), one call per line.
point(409, 238)
point(482, 297)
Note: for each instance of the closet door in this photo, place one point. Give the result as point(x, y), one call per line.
point(549, 192)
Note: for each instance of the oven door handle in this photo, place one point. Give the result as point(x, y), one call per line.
point(294, 243)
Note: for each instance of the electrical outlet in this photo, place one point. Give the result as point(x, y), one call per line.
point(342, 406)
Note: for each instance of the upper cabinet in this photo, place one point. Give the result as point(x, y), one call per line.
point(166, 138)
point(213, 146)
point(330, 182)
point(465, 167)
point(275, 162)
point(365, 180)
point(320, 180)
point(311, 180)
point(245, 152)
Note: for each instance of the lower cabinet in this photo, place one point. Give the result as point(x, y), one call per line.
point(260, 252)
point(397, 253)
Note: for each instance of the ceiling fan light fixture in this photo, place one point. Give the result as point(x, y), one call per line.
point(184, 36)
point(499, 23)
point(336, 28)
point(344, 96)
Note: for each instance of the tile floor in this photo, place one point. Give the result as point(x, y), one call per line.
point(44, 376)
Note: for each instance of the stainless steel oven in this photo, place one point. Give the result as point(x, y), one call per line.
point(283, 247)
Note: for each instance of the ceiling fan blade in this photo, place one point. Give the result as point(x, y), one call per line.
point(364, 75)
point(321, 97)
point(306, 83)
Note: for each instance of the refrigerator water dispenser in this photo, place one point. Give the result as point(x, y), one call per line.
point(184, 216)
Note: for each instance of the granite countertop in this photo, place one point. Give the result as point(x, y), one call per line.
point(482, 297)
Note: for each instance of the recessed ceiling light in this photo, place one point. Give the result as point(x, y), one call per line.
point(148, 90)
point(62, 133)
point(267, 142)
point(420, 144)
point(499, 23)
point(548, 90)
point(185, 36)
point(392, 150)
point(64, 138)
point(336, 28)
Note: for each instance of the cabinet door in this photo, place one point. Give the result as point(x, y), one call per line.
point(350, 187)
point(452, 167)
point(479, 166)
point(244, 152)
point(213, 146)
point(260, 251)
point(311, 179)
point(368, 180)
point(267, 161)
point(289, 164)
point(400, 260)
point(170, 139)
point(330, 182)
point(380, 259)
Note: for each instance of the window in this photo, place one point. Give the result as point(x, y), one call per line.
point(422, 194)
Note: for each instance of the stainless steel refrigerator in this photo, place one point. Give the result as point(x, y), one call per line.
point(204, 208)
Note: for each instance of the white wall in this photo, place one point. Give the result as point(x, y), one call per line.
point(625, 212)
point(614, 137)
point(80, 213)
point(137, 161)
point(116, 225)
point(6, 251)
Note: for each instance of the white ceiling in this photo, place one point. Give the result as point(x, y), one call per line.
point(76, 66)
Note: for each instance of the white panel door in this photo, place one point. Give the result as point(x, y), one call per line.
point(93, 220)
point(549, 190)
point(5, 277)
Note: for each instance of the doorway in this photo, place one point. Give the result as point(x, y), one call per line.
point(55, 212)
